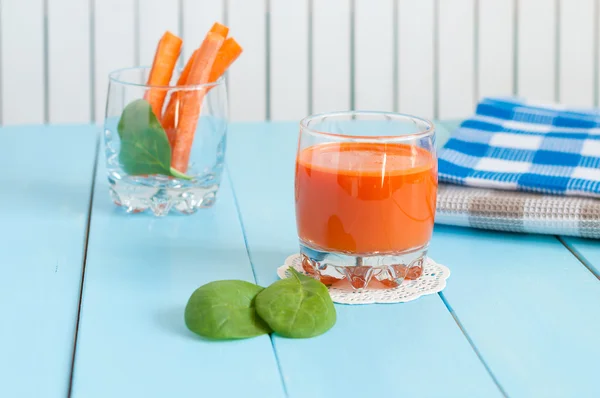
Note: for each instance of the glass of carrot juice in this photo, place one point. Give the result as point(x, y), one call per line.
point(365, 194)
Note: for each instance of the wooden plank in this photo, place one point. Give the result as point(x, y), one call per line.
point(529, 306)
point(198, 16)
point(371, 339)
point(22, 69)
point(576, 44)
point(518, 307)
point(114, 35)
point(155, 17)
point(442, 133)
point(289, 59)
point(495, 48)
point(140, 272)
point(374, 55)
point(587, 250)
point(416, 57)
point(449, 126)
point(456, 58)
point(247, 81)
point(44, 211)
point(69, 73)
point(536, 67)
point(331, 56)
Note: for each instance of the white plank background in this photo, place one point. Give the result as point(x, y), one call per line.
point(433, 58)
point(247, 80)
point(537, 55)
point(373, 55)
point(596, 53)
point(495, 47)
point(576, 66)
point(69, 52)
point(331, 56)
point(456, 74)
point(115, 40)
point(416, 57)
point(289, 59)
point(22, 87)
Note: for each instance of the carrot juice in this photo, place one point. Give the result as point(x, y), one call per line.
point(365, 198)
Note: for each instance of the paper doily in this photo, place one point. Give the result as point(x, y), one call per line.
point(433, 280)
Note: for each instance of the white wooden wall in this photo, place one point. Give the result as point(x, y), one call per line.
point(434, 58)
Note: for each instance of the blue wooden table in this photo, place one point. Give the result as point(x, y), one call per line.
point(91, 299)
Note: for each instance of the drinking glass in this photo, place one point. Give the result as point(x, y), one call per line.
point(164, 158)
point(365, 193)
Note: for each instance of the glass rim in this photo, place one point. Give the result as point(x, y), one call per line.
point(428, 131)
point(112, 76)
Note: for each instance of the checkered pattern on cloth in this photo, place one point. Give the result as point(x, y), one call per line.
point(513, 211)
point(514, 145)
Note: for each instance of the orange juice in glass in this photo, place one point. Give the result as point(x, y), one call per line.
point(365, 192)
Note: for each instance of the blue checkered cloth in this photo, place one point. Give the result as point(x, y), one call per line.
point(515, 145)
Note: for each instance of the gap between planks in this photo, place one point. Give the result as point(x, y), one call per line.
point(84, 261)
point(239, 213)
point(584, 261)
point(471, 343)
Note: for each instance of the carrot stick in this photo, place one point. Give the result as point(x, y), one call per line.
point(229, 52)
point(168, 119)
point(220, 29)
point(186, 70)
point(189, 111)
point(165, 59)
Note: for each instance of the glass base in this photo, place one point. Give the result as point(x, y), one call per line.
point(135, 198)
point(383, 271)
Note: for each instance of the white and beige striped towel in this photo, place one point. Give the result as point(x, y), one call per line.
point(514, 211)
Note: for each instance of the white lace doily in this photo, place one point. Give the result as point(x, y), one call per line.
point(433, 280)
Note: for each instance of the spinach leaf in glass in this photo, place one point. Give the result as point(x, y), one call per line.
point(145, 147)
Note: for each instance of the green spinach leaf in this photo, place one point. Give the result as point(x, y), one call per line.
point(145, 147)
point(297, 307)
point(225, 310)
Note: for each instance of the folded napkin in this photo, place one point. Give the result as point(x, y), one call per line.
point(514, 145)
point(513, 211)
